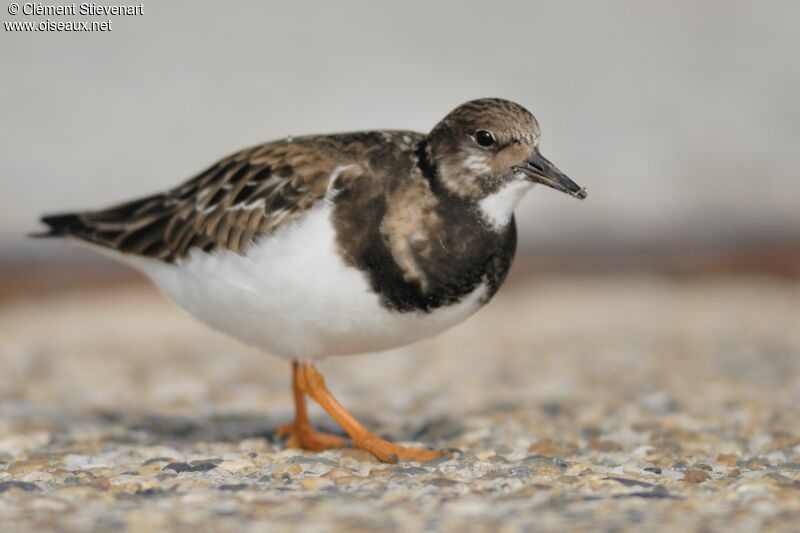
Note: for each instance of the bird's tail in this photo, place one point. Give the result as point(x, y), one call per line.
point(61, 225)
point(125, 227)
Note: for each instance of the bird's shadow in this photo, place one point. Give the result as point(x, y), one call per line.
point(149, 429)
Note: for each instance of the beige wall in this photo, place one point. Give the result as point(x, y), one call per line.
point(682, 118)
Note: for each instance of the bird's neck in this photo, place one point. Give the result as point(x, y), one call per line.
point(497, 208)
point(427, 167)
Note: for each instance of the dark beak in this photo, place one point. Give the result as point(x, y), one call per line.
point(540, 170)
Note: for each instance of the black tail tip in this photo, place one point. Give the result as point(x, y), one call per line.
point(59, 225)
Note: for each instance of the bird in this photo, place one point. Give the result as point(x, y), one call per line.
point(347, 243)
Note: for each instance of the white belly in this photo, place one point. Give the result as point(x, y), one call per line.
point(294, 296)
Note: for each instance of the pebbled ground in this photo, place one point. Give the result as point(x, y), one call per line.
point(568, 404)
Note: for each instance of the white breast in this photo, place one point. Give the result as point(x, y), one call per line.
point(293, 295)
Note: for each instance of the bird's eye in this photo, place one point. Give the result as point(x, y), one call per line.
point(484, 138)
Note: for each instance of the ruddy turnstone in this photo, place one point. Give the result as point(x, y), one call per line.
point(338, 244)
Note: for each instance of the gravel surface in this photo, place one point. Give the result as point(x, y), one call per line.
point(567, 404)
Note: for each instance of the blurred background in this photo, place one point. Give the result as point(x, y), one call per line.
point(681, 119)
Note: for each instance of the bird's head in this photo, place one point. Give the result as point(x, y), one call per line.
point(487, 151)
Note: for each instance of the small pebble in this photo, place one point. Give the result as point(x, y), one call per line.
point(693, 475)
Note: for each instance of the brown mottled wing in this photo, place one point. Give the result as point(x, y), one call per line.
point(226, 207)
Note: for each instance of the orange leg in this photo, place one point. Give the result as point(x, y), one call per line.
point(300, 432)
point(312, 382)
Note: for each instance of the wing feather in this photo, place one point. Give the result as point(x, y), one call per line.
point(226, 207)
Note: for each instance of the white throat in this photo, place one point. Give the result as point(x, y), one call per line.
point(498, 207)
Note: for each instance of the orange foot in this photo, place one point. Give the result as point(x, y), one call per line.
point(309, 381)
point(307, 438)
point(389, 452)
